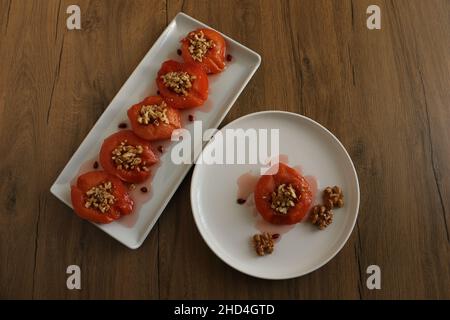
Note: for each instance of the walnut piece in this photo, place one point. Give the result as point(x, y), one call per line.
point(284, 198)
point(321, 216)
point(153, 114)
point(178, 81)
point(263, 243)
point(333, 197)
point(127, 157)
point(100, 197)
point(199, 45)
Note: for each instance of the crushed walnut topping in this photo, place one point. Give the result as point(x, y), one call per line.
point(180, 82)
point(263, 243)
point(283, 198)
point(153, 114)
point(127, 157)
point(199, 45)
point(100, 197)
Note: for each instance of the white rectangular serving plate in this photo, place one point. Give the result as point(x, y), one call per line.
point(224, 89)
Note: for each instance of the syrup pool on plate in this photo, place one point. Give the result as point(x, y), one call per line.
point(246, 185)
point(139, 198)
point(143, 192)
point(140, 193)
point(312, 181)
point(90, 165)
point(206, 107)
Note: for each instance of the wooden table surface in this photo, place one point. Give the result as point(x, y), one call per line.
point(384, 93)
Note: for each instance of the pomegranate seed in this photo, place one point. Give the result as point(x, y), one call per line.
point(191, 117)
point(95, 165)
point(160, 149)
point(241, 201)
point(122, 125)
point(179, 52)
point(144, 189)
point(229, 57)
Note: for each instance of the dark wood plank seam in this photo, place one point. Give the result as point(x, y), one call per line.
point(158, 267)
point(7, 16)
point(182, 6)
point(55, 79)
point(167, 12)
point(353, 15)
point(296, 51)
point(36, 241)
point(351, 64)
point(433, 164)
point(57, 20)
point(358, 249)
point(302, 82)
point(430, 138)
point(82, 244)
point(428, 124)
point(353, 76)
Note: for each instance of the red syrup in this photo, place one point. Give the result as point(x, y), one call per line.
point(128, 220)
point(206, 107)
point(159, 148)
point(139, 197)
point(264, 226)
point(313, 184)
point(246, 186)
point(283, 158)
point(90, 165)
point(141, 194)
point(299, 169)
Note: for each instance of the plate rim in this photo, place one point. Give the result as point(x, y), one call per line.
point(196, 215)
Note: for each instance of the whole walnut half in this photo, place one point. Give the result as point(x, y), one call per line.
point(333, 197)
point(321, 216)
point(263, 243)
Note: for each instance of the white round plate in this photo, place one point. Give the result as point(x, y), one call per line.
point(227, 227)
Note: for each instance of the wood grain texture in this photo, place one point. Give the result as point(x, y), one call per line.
point(384, 94)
